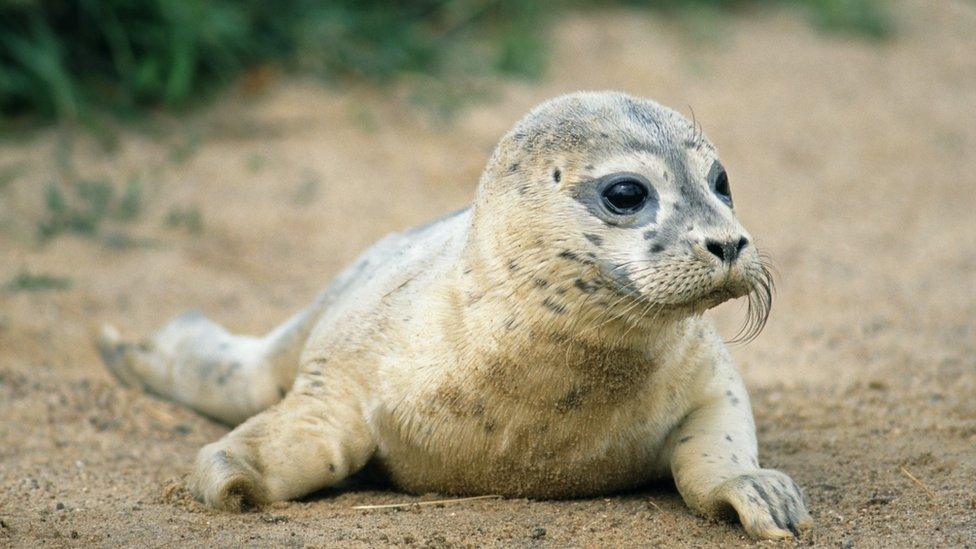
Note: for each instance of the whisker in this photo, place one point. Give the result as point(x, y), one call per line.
point(759, 304)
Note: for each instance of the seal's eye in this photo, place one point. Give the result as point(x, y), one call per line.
point(722, 188)
point(625, 197)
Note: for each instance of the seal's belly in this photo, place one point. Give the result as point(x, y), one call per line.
point(539, 455)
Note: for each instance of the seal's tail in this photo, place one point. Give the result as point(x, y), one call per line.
point(198, 363)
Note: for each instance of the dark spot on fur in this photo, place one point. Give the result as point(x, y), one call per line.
point(588, 167)
point(640, 146)
point(735, 458)
point(728, 438)
point(557, 338)
point(228, 373)
point(648, 235)
point(641, 114)
point(573, 400)
point(567, 254)
point(596, 239)
point(657, 248)
point(683, 440)
point(557, 176)
point(732, 398)
point(513, 266)
point(586, 287)
point(510, 322)
point(332, 467)
point(489, 426)
point(514, 167)
point(540, 283)
point(553, 306)
point(317, 383)
point(282, 392)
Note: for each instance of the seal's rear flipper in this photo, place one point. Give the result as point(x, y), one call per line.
point(196, 362)
point(116, 356)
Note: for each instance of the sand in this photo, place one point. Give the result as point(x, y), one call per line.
point(851, 162)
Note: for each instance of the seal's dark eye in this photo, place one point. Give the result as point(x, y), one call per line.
point(722, 188)
point(625, 197)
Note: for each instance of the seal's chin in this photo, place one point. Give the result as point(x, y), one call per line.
point(716, 296)
point(720, 295)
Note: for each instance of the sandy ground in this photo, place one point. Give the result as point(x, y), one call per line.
point(851, 162)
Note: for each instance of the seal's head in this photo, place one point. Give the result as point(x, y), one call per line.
point(611, 193)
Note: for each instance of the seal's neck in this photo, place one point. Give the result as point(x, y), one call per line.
point(526, 294)
point(553, 346)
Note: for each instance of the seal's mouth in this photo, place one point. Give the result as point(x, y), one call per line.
point(709, 298)
point(694, 290)
point(756, 285)
point(721, 295)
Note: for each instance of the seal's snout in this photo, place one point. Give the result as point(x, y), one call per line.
point(726, 251)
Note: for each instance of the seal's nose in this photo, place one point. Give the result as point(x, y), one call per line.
point(727, 251)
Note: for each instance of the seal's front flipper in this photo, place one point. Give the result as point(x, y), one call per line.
point(303, 444)
point(768, 503)
point(714, 463)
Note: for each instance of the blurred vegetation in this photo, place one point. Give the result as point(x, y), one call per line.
point(83, 206)
point(188, 218)
point(67, 59)
point(37, 282)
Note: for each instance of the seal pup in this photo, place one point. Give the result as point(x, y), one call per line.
point(546, 342)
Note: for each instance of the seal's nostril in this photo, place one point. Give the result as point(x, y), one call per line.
point(716, 248)
point(728, 251)
point(742, 244)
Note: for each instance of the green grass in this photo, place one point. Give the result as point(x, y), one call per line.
point(9, 174)
point(187, 218)
point(859, 17)
point(71, 60)
point(31, 282)
point(121, 242)
point(83, 206)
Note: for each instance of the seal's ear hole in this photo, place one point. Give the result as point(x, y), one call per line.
point(557, 175)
